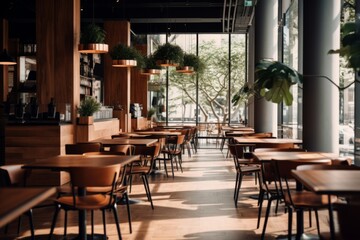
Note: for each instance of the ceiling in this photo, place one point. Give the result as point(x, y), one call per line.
point(145, 16)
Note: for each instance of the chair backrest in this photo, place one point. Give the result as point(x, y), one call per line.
point(94, 176)
point(282, 172)
point(120, 135)
point(12, 175)
point(126, 149)
point(341, 161)
point(260, 135)
point(148, 153)
point(283, 167)
point(80, 148)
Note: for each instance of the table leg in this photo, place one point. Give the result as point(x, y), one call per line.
point(82, 217)
point(299, 216)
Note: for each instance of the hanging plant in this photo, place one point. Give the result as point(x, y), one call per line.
point(191, 63)
point(169, 55)
point(150, 67)
point(125, 56)
point(92, 40)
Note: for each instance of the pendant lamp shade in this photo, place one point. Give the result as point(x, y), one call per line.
point(6, 59)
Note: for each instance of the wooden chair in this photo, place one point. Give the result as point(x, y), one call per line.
point(14, 176)
point(126, 149)
point(242, 166)
point(172, 151)
point(145, 166)
point(83, 177)
point(80, 148)
point(296, 200)
point(121, 188)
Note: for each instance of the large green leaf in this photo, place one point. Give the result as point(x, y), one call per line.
point(279, 92)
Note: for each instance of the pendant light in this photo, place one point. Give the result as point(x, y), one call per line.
point(6, 59)
point(91, 40)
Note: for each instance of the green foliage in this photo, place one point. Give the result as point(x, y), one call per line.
point(88, 106)
point(150, 63)
point(193, 61)
point(122, 51)
point(350, 48)
point(245, 92)
point(92, 34)
point(170, 52)
point(151, 112)
point(273, 80)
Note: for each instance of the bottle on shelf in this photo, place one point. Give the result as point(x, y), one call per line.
point(51, 108)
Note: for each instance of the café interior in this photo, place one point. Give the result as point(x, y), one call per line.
point(179, 119)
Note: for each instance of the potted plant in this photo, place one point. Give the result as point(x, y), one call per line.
point(273, 80)
point(88, 106)
point(92, 40)
point(350, 48)
point(150, 67)
point(125, 56)
point(191, 63)
point(169, 55)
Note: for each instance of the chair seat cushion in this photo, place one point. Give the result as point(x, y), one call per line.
point(306, 199)
point(88, 202)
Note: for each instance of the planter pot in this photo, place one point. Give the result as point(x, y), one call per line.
point(167, 63)
point(86, 120)
point(185, 69)
point(150, 71)
point(93, 48)
point(124, 63)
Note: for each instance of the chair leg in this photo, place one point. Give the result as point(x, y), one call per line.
point(261, 200)
point(147, 189)
point(114, 208)
point(65, 223)
point(238, 189)
point(92, 224)
point(266, 218)
point(236, 182)
point(104, 221)
point(128, 210)
point(54, 221)
point(31, 223)
point(310, 218)
point(317, 222)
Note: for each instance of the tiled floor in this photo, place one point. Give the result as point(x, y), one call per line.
point(196, 204)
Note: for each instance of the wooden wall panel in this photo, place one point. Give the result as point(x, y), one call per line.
point(25, 144)
point(58, 61)
point(117, 80)
point(139, 86)
point(101, 129)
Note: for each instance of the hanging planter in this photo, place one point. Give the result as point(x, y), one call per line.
point(150, 67)
point(191, 64)
point(125, 56)
point(168, 55)
point(92, 40)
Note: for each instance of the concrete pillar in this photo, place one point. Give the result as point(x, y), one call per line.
point(266, 46)
point(321, 32)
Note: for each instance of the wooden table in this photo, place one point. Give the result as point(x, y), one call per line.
point(158, 133)
point(125, 141)
point(16, 201)
point(267, 156)
point(336, 182)
point(262, 141)
point(332, 182)
point(238, 133)
point(66, 162)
